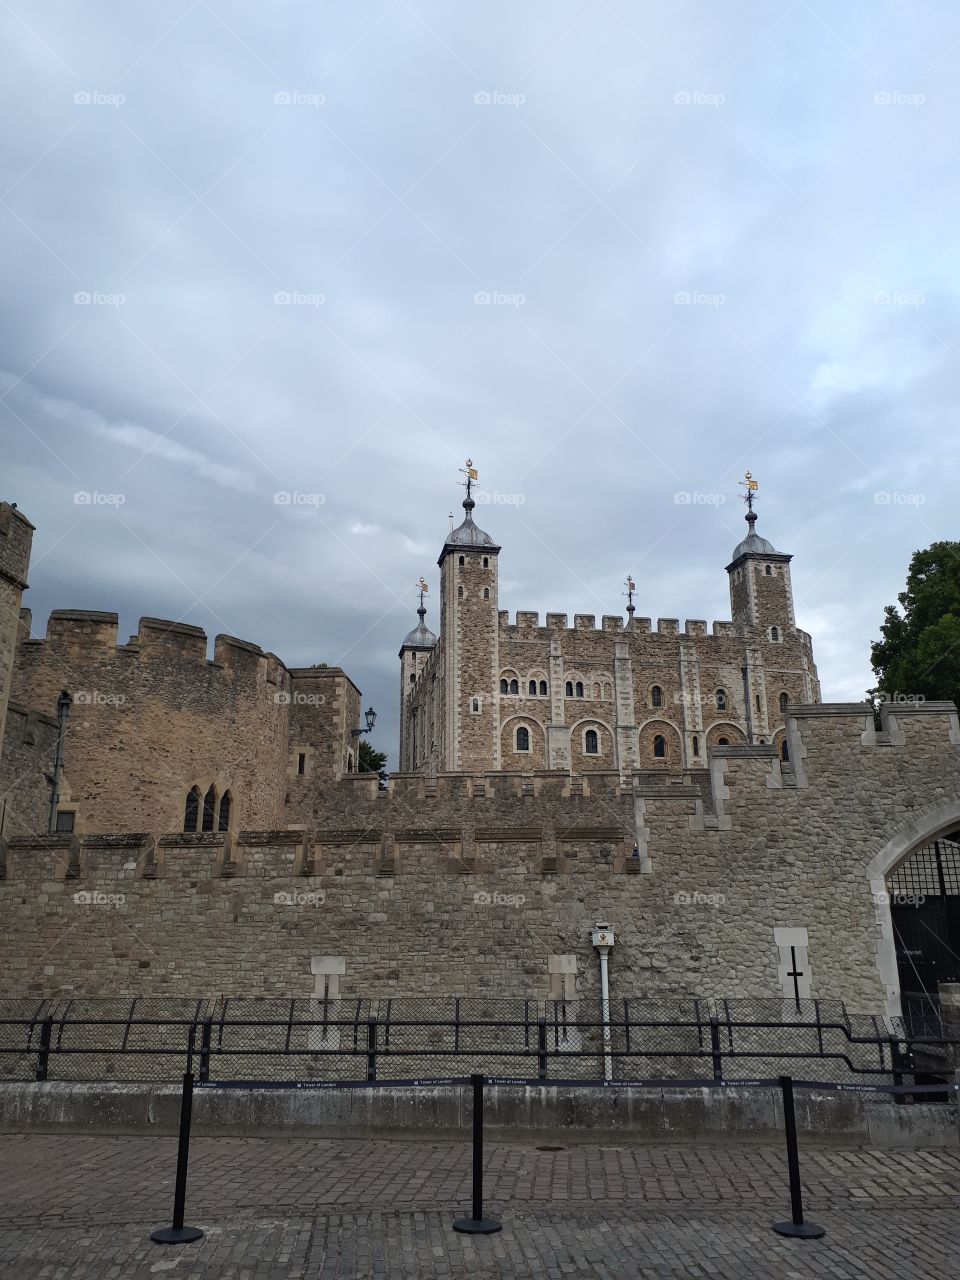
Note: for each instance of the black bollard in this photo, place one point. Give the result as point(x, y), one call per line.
point(478, 1224)
point(797, 1227)
point(178, 1233)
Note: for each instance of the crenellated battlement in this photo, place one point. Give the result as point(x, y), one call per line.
point(527, 622)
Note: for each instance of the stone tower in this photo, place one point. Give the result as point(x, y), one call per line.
point(16, 537)
point(417, 646)
point(469, 639)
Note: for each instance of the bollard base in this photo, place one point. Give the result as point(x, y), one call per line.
point(478, 1226)
point(176, 1235)
point(800, 1230)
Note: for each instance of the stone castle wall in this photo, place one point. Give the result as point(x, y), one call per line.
point(27, 758)
point(472, 884)
point(153, 718)
point(16, 538)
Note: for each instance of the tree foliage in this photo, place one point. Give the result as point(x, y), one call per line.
point(370, 761)
point(919, 654)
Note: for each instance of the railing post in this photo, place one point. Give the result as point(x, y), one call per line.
point(541, 1048)
point(177, 1233)
point(896, 1067)
point(796, 1227)
point(371, 1048)
point(478, 1224)
point(715, 1049)
point(43, 1057)
point(205, 1038)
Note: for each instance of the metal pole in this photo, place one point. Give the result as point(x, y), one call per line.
point(64, 703)
point(478, 1224)
point(178, 1233)
point(605, 1000)
point(797, 1227)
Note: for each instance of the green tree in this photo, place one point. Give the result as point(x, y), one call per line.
point(370, 761)
point(919, 654)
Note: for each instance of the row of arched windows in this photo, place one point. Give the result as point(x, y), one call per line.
point(202, 812)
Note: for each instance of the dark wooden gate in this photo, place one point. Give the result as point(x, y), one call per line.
point(925, 908)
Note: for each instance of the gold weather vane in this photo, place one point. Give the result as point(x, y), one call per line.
point(423, 587)
point(469, 471)
point(750, 488)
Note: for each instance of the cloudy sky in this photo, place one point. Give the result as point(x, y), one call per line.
point(614, 252)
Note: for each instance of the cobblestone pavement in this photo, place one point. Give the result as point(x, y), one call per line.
point(84, 1206)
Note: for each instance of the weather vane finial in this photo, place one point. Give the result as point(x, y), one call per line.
point(469, 471)
point(631, 588)
point(750, 488)
point(423, 588)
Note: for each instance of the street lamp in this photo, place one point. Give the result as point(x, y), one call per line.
point(603, 939)
point(370, 716)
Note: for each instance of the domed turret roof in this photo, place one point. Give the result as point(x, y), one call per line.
point(468, 536)
point(753, 544)
point(421, 637)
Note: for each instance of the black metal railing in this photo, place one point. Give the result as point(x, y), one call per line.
point(302, 1040)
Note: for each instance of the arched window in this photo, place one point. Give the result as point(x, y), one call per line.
point(504, 687)
point(486, 562)
point(768, 570)
point(696, 745)
point(596, 690)
point(486, 593)
point(723, 742)
point(533, 688)
point(523, 739)
point(784, 700)
point(543, 688)
point(459, 593)
point(758, 701)
point(191, 810)
point(223, 819)
point(660, 747)
point(568, 688)
point(784, 752)
point(656, 696)
point(462, 562)
point(579, 688)
point(413, 677)
point(774, 633)
point(514, 686)
point(475, 706)
point(721, 699)
point(607, 690)
point(591, 743)
point(209, 808)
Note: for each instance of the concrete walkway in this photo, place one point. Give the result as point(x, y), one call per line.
point(84, 1206)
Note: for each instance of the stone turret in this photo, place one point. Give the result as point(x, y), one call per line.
point(16, 538)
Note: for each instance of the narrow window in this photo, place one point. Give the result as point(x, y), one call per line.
point(459, 593)
point(209, 808)
point(349, 762)
point(486, 562)
point(591, 745)
point(607, 691)
point(758, 701)
point(302, 763)
point(514, 686)
point(568, 688)
point(774, 633)
point(543, 688)
point(721, 699)
point(723, 742)
point(476, 706)
point(533, 688)
point(784, 700)
point(579, 688)
point(223, 823)
point(596, 691)
point(696, 745)
point(660, 746)
point(768, 571)
point(462, 562)
point(784, 752)
point(413, 678)
point(523, 739)
point(504, 687)
point(656, 696)
point(486, 593)
point(192, 810)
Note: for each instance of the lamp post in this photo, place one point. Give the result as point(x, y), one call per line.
point(64, 703)
point(370, 718)
point(603, 939)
